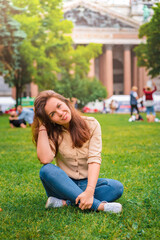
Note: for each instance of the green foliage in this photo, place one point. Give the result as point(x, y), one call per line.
point(50, 46)
point(85, 89)
point(81, 57)
point(32, 60)
point(47, 53)
point(149, 53)
point(11, 37)
point(46, 42)
point(130, 154)
point(77, 84)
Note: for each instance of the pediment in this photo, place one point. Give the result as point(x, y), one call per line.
point(94, 16)
point(82, 16)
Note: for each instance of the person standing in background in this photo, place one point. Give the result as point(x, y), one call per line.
point(133, 99)
point(149, 102)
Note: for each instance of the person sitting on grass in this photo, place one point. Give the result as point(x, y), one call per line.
point(15, 122)
point(75, 142)
point(26, 114)
point(136, 117)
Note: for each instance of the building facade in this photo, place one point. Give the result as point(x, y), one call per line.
point(115, 25)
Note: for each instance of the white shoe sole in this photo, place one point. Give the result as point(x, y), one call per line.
point(48, 203)
point(113, 207)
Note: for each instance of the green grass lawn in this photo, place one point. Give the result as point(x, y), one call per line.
point(130, 154)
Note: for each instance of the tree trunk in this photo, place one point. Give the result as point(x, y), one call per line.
point(17, 94)
point(20, 95)
point(18, 89)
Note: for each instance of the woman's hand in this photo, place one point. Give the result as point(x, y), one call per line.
point(85, 199)
point(44, 151)
point(153, 83)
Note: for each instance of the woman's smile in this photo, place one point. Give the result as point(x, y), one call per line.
point(64, 116)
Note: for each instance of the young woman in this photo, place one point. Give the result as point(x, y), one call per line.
point(75, 142)
point(149, 102)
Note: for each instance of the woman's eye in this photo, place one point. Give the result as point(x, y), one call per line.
point(52, 114)
point(59, 105)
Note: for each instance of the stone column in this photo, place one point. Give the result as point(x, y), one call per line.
point(143, 78)
point(135, 72)
point(127, 69)
point(141, 81)
point(106, 69)
point(91, 73)
point(33, 89)
point(101, 68)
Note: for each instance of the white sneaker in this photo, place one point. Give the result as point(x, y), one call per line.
point(53, 202)
point(112, 207)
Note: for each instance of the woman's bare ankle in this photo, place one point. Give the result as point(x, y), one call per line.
point(64, 203)
point(101, 207)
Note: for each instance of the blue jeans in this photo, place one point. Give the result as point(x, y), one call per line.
point(57, 184)
point(150, 110)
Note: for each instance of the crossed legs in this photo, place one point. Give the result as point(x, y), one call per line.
point(57, 184)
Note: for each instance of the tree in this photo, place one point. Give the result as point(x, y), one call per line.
point(149, 53)
point(47, 55)
point(75, 81)
point(11, 37)
point(49, 41)
point(84, 89)
point(81, 56)
point(31, 60)
point(46, 44)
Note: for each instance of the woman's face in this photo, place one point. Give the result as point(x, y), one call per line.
point(58, 112)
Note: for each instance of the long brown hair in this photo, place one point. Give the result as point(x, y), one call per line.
point(78, 128)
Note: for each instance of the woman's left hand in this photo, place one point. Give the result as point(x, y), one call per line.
point(85, 200)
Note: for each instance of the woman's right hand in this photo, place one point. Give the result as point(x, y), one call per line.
point(153, 83)
point(44, 152)
point(85, 199)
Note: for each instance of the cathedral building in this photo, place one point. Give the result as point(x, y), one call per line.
point(115, 25)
